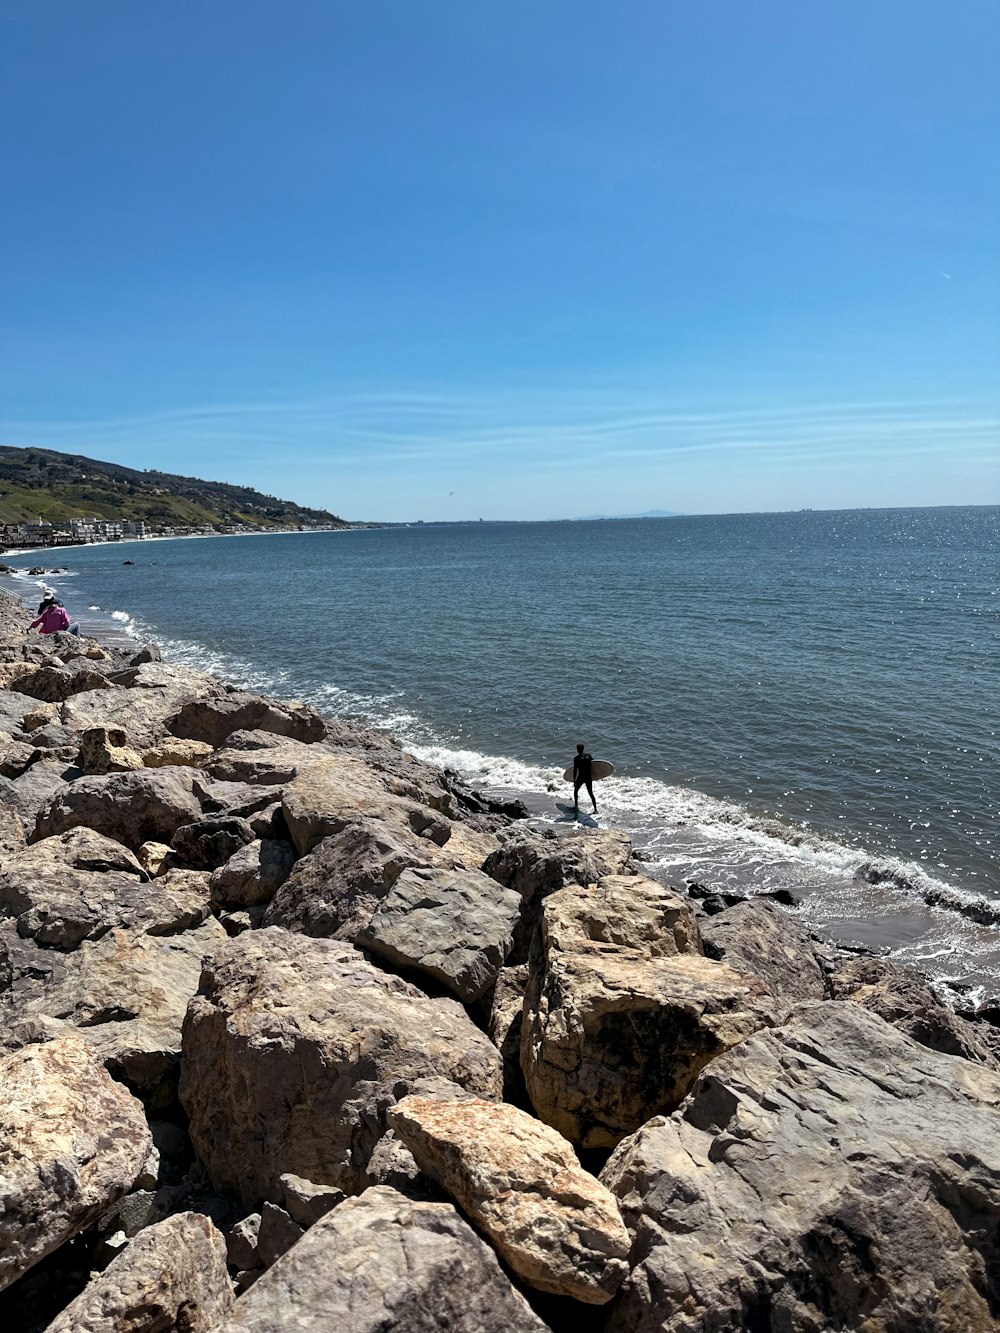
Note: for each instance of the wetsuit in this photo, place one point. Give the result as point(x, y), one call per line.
point(583, 777)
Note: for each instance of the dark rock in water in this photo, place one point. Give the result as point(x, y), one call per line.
point(783, 896)
point(385, 1262)
point(209, 843)
point(128, 562)
point(829, 1174)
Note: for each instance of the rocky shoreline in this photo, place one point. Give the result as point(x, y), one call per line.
point(299, 1032)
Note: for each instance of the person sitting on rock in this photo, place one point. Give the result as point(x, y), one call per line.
point(53, 619)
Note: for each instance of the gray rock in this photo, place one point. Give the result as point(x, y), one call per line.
point(454, 925)
point(383, 1263)
point(60, 905)
point(153, 693)
point(276, 1234)
point(903, 998)
point(260, 758)
point(305, 1202)
point(71, 1143)
point(306, 1037)
point(757, 937)
point(828, 1174)
point(334, 890)
point(214, 720)
point(537, 860)
point(36, 787)
point(241, 1243)
point(504, 1028)
point(253, 874)
point(208, 843)
point(133, 808)
point(172, 1276)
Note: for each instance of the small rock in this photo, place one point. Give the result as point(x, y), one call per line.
point(276, 1235)
point(241, 1243)
point(305, 1202)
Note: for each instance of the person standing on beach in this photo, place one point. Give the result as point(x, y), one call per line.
point(583, 776)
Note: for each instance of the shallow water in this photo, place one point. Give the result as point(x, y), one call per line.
point(802, 699)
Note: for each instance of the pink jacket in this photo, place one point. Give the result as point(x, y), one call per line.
point(52, 619)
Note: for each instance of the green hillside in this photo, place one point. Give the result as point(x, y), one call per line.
point(56, 487)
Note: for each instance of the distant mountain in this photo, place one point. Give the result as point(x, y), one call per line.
point(41, 483)
point(649, 513)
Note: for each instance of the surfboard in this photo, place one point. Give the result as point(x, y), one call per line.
point(600, 768)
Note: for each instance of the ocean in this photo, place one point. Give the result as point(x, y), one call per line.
point(803, 700)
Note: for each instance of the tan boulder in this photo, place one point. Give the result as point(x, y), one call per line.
point(173, 1276)
point(338, 789)
point(39, 716)
point(308, 1038)
point(617, 1023)
point(520, 1184)
point(126, 995)
point(152, 855)
point(106, 750)
point(179, 753)
point(538, 860)
point(154, 693)
point(72, 1141)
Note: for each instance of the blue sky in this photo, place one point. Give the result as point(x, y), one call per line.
point(510, 261)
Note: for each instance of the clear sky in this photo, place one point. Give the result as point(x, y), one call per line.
point(520, 260)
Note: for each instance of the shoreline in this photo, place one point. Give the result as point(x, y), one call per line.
point(215, 899)
point(854, 897)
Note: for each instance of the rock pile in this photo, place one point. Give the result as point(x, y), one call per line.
point(296, 1032)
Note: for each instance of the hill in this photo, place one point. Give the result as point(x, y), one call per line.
point(58, 487)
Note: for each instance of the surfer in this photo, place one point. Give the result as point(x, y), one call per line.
point(583, 776)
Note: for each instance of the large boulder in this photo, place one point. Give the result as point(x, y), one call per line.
point(30, 793)
point(537, 860)
point(760, 938)
point(210, 841)
point(456, 926)
point(131, 807)
point(253, 874)
point(173, 1276)
point(618, 1021)
point(152, 693)
point(106, 750)
point(60, 901)
point(72, 1141)
point(334, 890)
point(828, 1174)
point(214, 720)
point(261, 758)
point(340, 789)
point(903, 998)
point(520, 1184)
point(295, 1047)
point(126, 995)
point(54, 684)
point(384, 1263)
